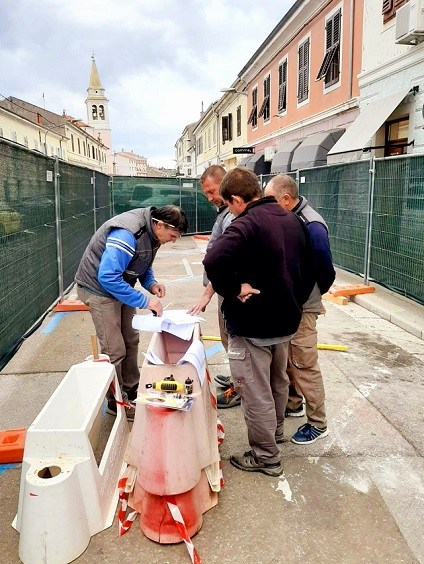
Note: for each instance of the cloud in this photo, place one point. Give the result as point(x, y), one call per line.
point(158, 61)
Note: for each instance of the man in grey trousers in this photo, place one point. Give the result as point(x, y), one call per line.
point(263, 267)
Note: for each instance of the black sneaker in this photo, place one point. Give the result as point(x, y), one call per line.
point(279, 439)
point(229, 398)
point(297, 412)
point(223, 381)
point(308, 434)
point(248, 462)
point(132, 394)
point(129, 411)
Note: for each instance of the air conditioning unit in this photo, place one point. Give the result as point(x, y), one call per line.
point(269, 152)
point(410, 23)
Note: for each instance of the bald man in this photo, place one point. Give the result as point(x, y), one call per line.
point(303, 369)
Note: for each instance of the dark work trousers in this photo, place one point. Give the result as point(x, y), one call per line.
point(260, 378)
point(113, 323)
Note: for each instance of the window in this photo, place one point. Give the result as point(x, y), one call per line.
point(396, 137)
point(209, 137)
point(79, 146)
point(188, 158)
point(36, 144)
point(94, 111)
point(238, 115)
point(390, 7)
point(253, 118)
point(264, 111)
point(282, 86)
point(227, 128)
point(330, 68)
point(14, 135)
point(26, 141)
point(1, 132)
point(72, 143)
point(189, 171)
point(101, 112)
point(303, 79)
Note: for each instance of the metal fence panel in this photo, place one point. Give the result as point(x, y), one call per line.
point(28, 261)
point(397, 238)
point(130, 193)
point(339, 194)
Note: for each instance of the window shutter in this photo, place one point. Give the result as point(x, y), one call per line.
point(252, 115)
point(329, 34)
point(336, 28)
point(398, 3)
point(300, 75)
point(306, 69)
point(262, 110)
point(282, 86)
point(387, 6)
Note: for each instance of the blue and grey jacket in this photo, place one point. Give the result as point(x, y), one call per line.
point(112, 264)
point(318, 232)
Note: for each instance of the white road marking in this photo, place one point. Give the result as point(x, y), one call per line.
point(187, 267)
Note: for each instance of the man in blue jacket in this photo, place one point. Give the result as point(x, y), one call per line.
point(262, 265)
point(304, 372)
point(120, 253)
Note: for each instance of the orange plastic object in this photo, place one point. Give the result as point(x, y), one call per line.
point(203, 237)
point(351, 290)
point(70, 305)
point(12, 445)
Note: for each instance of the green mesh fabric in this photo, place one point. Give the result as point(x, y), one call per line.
point(129, 193)
point(397, 236)
point(29, 265)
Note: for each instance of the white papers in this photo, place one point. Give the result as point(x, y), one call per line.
point(195, 355)
point(177, 321)
point(153, 358)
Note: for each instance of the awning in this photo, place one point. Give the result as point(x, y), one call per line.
point(258, 164)
point(313, 150)
point(367, 123)
point(244, 161)
point(281, 161)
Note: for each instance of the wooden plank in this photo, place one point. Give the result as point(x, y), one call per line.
point(351, 290)
point(335, 299)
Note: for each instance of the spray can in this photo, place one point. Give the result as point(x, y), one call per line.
point(188, 385)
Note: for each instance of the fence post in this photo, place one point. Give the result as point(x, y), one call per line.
point(368, 228)
point(111, 196)
point(58, 227)
point(93, 182)
point(196, 184)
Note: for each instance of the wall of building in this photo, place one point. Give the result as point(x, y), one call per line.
point(321, 101)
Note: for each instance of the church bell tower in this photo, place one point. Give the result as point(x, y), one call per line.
point(98, 111)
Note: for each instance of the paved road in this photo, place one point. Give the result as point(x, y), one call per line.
point(354, 496)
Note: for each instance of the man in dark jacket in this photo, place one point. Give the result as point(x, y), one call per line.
point(120, 253)
point(304, 372)
point(263, 267)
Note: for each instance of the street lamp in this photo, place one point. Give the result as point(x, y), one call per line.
point(233, 91)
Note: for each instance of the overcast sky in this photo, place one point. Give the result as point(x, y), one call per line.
point(157, 59)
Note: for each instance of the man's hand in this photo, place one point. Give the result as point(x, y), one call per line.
point(155, 306)
point(203, 302)
point(200, 306)
point(158, 290)
point(246, 292)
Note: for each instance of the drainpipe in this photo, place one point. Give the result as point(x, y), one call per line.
point(351, 23)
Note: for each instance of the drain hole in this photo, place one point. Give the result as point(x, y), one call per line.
point(49, 472)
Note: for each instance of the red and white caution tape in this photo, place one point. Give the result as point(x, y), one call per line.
point(124, 521)
point(179, 521)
